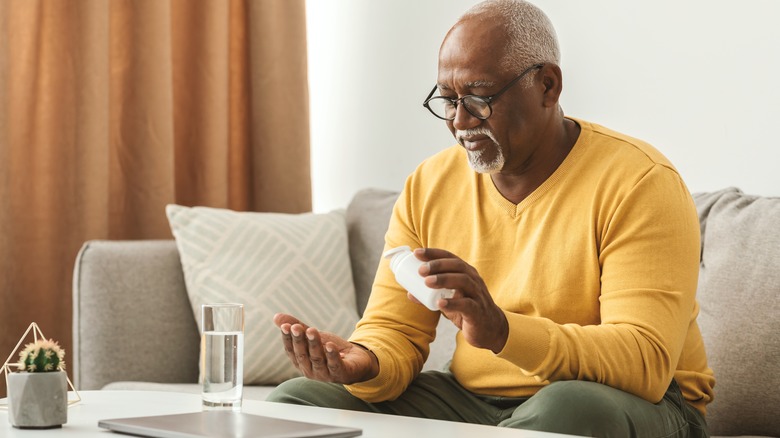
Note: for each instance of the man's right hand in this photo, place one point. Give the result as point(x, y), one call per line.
point(324, 356)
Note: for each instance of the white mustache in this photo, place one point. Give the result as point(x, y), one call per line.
point(459, 135)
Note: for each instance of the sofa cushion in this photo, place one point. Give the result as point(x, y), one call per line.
point(368, 216)
point(129, 304)
point(739, 287)
point(270, 262)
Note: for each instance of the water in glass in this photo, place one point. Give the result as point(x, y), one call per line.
point(223, 369)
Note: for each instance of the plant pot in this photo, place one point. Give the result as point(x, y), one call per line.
point(37, 400)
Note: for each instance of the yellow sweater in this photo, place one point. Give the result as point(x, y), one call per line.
point(596, 272)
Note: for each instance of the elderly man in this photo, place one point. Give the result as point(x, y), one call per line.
point(572, 250)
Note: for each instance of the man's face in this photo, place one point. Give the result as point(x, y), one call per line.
point(470, 63)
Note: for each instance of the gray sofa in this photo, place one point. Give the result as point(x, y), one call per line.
point(130, 303)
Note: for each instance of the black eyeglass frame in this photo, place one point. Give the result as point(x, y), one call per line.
point(487, 99)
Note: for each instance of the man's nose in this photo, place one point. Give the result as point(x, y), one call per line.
point(464, 119)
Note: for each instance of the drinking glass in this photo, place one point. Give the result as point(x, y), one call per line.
point(222, 356)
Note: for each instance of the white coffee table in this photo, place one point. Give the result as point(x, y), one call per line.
point(98, 405)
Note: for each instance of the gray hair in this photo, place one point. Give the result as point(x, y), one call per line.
point(532, 38)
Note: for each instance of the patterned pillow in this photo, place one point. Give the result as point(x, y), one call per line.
point(270, 262)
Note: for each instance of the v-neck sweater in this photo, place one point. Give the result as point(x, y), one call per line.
point(595, 270)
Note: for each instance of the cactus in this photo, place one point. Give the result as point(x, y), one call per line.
point(42, 355)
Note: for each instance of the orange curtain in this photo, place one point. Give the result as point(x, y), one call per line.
point(109, 110)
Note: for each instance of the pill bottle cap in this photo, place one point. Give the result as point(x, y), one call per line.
point(397, 250)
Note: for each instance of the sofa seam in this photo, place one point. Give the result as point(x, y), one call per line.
point(77, 276)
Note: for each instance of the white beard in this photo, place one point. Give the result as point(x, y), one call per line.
point(477, 162)
point(480, 165)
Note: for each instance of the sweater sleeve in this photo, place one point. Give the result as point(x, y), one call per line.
point(397, 330)
point(649, 260)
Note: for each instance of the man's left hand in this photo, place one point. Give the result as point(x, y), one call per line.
point(472, 308)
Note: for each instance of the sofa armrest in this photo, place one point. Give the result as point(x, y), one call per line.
point(132, 319)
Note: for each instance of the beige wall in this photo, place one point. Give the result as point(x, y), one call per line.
point(698, 79)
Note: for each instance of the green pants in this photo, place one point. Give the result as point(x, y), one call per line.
point(572, 407)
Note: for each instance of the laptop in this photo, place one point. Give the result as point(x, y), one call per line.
point(222, 424)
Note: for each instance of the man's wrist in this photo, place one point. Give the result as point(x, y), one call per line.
point(503, 335)
point(373, 370)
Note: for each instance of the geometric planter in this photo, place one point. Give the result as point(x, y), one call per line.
point(37, 400)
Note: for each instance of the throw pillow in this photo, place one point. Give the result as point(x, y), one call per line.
point(270, 262)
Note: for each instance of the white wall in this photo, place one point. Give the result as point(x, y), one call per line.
point(698, 79)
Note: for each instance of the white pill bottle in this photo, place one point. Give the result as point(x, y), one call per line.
point(405, 266)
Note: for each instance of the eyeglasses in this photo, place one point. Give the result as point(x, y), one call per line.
point(478, 106)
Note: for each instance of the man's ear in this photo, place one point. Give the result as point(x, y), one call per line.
point(552, 79)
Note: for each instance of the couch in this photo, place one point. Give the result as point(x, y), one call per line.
point(130, 303)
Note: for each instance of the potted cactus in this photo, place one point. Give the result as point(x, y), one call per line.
point(38, 390)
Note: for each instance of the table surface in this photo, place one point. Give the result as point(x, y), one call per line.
point(99, 405)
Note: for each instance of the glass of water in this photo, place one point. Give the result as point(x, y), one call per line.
point(222, 356)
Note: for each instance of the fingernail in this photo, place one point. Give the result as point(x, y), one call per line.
point(425, 268)
point(310, 336)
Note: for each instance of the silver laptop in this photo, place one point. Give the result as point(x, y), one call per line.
point(222, 424)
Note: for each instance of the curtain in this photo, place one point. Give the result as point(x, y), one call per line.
point(109, 110)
